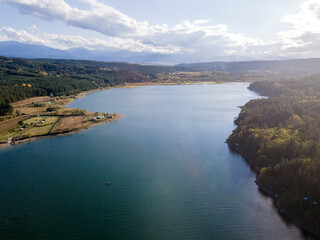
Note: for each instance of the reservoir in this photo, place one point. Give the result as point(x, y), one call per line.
point(171, 173)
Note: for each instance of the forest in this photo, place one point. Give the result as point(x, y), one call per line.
point(24, 78)
point(280, 138)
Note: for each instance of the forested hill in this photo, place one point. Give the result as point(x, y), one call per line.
point(280, 138)
point(23, 78)
point(291, 68)
point(307, 86)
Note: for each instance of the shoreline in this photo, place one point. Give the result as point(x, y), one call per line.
point(42, 99)
point(305, 228)
point(288, 215)
point(145, 84)
point(59, 134)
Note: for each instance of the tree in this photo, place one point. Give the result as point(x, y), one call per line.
point(5, 109)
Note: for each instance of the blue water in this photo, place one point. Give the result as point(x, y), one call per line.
point(172, 175)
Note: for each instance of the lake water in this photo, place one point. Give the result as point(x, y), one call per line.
point(172, 175)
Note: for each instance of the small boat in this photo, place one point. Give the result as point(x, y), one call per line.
point(107, 183)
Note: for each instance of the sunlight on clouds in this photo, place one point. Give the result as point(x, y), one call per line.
point(61, 41)
point(304, 37)
point(187, 36)
point(9, 34)
point(198, 36)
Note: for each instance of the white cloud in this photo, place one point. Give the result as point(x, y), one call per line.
point(101, 18)
point(187, 36)
point(303, 39)
point(198, 37)
point(8, 34)
point(60, 41)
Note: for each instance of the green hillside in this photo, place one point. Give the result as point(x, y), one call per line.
point(23, 78)
point(280, 138)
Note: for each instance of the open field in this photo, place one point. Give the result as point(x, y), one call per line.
point(41, 121)
point(38, 131)
point(28, 110)
point(32, 100)
point(28, 127)
point(67, 124)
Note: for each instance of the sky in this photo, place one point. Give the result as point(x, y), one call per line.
point(257, 29)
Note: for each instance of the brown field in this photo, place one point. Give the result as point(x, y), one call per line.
point(67, 124)
point(30, 110)
point(64, 111)
point(31, 100)
point(10, 124)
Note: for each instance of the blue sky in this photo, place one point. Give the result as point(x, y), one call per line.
point(249, 28)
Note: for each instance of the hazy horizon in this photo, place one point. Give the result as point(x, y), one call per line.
point(206, 31)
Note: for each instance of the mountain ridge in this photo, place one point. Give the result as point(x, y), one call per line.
point(26, 50)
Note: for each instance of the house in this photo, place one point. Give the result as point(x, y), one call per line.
point(11, 141)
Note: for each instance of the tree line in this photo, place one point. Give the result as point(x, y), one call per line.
point(280, 137)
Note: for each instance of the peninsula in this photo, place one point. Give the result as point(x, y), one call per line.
point(39, 117)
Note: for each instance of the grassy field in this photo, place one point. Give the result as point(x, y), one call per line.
point(38, 126)
point(34, 126)
point(41, 121)
point(37, 131)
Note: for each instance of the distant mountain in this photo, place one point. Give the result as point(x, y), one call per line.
point(301, 67)
point(114, 56)
point(16, 49)
point(222, 63)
